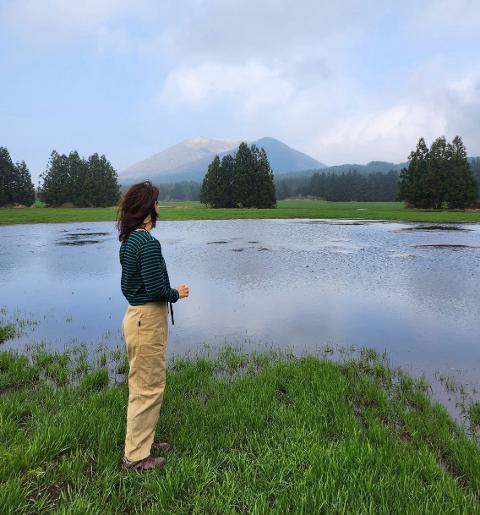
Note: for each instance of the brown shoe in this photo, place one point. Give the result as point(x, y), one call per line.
point(148, 463)
point(161, 446)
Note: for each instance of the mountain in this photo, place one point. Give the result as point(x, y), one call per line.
point(175, 159)
point(189, 160)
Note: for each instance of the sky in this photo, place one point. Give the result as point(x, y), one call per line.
point(346, 82)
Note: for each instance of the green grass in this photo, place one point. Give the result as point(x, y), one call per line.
point(286, 209)
point(251, 433)
point(6, 332)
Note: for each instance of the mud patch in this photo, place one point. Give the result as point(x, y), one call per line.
point(76, 235)
point(446, 246)
point(434, 228)
point(78, 242)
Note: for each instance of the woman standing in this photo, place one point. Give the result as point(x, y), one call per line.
point(146, 286)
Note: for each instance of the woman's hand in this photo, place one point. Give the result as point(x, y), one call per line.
point(183, 290)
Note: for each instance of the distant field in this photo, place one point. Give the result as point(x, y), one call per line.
point(286, 209)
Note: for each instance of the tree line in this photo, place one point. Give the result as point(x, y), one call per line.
point(91, 182)
point(372, 187)
point(243, 180)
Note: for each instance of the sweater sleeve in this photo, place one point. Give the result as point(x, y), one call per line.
point(154, 272)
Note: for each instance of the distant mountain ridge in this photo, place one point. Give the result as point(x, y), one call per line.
point(189, 160)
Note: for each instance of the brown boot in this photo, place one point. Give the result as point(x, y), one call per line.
point(148, 463)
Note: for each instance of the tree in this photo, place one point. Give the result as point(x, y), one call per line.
point(15, 181)
point(227, 178)
point(265, 186)
point(24, 191)
point(7, 177)
point(461, 191)
point(100, 182)
point(212, 193)
point(56, 188)
point(244, 184)
point(412, 179)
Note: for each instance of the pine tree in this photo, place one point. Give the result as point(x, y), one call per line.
point(461, 191)
point(56, 188)
point(227, 180)
point(7, 177)
point(244, 185)
point(100, 182)
point(212, 193)
point(265, 185)
point(24, 190)
point(436, 178)
point(412, 179)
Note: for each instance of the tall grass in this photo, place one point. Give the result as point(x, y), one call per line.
point(251, 433)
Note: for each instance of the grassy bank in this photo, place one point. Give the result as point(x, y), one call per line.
point(285, 209)
point(258, 433)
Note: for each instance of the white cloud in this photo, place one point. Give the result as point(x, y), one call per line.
point(253, 85)
point(299, 71)
point(43, 24)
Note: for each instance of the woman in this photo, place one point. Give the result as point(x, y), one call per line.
point(146, 286)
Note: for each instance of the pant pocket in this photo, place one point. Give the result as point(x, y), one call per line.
point(150, 365)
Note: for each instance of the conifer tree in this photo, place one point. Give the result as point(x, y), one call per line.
point(57, 187)
point(227, 177)
point(412, 179)
point(266, 187)
point(212, 193)
point(461, 190)
point(24, 190)
point(7, 177)
point(100, 183)
point(244, 185)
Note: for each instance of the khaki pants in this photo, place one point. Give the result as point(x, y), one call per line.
point(145, 330)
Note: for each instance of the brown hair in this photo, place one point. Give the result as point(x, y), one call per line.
point(137, 203)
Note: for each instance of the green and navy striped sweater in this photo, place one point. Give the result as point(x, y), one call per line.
point(144, 272)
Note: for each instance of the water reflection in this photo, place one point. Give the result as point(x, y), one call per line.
point(289, 283)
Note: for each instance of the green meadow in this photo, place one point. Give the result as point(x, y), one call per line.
point(252, 432)
point(286, 209)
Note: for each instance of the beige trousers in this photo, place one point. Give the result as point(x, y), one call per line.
point(145, 330)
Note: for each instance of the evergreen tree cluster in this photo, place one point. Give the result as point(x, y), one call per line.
point(438, 177)
point(350, 186)
point(372, 187)
point(242, 180)
point(91, 182)
point(16, 185)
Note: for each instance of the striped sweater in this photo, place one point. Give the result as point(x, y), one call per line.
point(144, 272)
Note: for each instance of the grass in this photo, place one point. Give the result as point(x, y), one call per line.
point(251, 433)
point(286, 209)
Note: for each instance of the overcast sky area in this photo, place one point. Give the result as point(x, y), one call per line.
point(345, 81)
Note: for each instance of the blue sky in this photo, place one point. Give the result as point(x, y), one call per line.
point(350, 81)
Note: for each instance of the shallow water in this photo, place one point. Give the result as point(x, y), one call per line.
point(404, 288)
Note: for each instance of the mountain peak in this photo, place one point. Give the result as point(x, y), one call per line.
point(189, 159)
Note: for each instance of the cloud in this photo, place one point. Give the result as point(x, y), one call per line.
point(254, 85)
point(44, 24)
point(353, 80)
